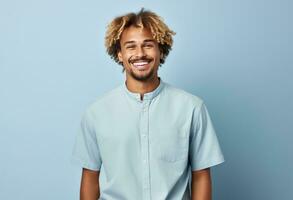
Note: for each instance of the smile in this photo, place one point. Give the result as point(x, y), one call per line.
point(141, 65)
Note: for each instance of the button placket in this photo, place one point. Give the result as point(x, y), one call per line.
point(145, 149)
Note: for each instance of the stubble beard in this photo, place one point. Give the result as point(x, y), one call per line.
point(144, 77)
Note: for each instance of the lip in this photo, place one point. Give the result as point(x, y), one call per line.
point(141, 64)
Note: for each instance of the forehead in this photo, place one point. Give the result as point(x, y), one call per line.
point(136, 34)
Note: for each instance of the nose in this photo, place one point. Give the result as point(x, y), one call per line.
point(140, 52)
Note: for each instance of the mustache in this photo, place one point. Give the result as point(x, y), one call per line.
point(135, 59)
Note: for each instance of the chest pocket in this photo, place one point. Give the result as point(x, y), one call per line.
point(173, 146)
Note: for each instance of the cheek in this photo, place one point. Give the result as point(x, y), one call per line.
point(125, 57)
point(153, 53)
point(157, 55)
point(128, 55)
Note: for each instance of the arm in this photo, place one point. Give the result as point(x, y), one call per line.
point(89, 187)
point(201, 185)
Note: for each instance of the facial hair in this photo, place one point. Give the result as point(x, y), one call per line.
point(144, 77)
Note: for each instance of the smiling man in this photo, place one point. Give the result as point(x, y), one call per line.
point(145, 139)
point(140, 56)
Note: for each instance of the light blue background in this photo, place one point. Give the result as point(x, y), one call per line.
point(236, 55)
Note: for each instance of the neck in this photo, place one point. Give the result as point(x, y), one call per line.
point(142, 87)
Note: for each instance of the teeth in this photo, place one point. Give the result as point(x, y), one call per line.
point(140, 63)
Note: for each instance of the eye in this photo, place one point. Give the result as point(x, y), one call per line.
point(130, 47)
point(149, 45)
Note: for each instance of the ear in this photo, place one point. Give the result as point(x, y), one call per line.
point(161, 52)
point(120, 56)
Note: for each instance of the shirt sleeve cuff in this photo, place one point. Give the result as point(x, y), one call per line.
point(205, 165)
point(77, 161)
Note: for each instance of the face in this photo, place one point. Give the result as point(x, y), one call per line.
point(139, 54)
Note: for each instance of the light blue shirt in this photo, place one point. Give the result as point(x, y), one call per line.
point(146, 149)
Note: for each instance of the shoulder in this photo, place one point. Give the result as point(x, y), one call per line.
point(105, 99)
point(182, 96)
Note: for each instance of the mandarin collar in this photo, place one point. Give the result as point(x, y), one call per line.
point(146, 96)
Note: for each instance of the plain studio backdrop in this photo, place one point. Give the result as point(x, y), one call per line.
point(235, 54)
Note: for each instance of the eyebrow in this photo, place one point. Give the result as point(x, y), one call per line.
point(131, 41)
point(149, 40)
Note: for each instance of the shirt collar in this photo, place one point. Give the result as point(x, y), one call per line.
point(146, 96)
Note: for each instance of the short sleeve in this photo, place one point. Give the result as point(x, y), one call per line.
point(204, 151)
point(86, 151)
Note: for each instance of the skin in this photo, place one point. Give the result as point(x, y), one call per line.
point(137, 44)
point(201, 185)
point(89, 187)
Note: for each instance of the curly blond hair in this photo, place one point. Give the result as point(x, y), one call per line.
point(143, 19)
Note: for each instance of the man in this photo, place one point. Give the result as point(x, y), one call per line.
point(145, 139)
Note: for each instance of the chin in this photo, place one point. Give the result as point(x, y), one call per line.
point(142, 77)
